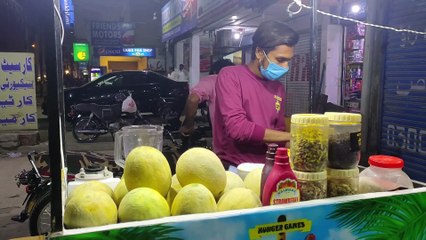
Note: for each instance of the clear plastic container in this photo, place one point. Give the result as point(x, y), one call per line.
point(309, 142)
point(342, 182)
point(345, 140)
point(312, 185)
point(384, 174)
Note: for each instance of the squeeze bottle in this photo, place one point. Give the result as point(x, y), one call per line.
point(281, 186)
point(269, 164)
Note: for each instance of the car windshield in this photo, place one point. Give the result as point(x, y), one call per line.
point(107, 81)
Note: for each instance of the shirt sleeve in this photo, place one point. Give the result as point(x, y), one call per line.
point(229, 106)
point(203, 89)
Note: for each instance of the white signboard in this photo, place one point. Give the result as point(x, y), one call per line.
point(17, 91)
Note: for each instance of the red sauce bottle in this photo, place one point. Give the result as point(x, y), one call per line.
point(281, 186)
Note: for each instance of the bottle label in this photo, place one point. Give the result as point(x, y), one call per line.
point(287, 192)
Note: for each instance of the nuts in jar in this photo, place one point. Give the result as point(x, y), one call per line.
point(312, 185)
point(342, 182)
point(309, 142)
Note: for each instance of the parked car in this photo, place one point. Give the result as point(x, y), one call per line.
point(151, 91)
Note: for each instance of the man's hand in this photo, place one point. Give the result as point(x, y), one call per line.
point(186, 130)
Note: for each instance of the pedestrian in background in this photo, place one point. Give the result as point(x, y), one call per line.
point(204, 91)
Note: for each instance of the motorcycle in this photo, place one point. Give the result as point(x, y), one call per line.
point(37, 202)
point(92, 120)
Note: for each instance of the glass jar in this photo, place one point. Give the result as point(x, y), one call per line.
point(384, 174)
point(312, 185)
point(342, 182)
point(345, 140)
point(309, 142)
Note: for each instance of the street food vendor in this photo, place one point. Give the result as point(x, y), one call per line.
point(250, 98)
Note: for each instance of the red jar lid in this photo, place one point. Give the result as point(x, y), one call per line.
point(384, 161)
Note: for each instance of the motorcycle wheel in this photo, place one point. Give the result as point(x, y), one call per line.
point(40, 217)
point(84, 124)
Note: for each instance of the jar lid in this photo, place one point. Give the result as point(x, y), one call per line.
point(342, 173)
point(343, 117)
point(311, 176)
point(309, 119)
point(385, 161)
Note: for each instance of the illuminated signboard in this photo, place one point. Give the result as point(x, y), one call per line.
point(130, 52)
point(81, 52)
point(139, 52)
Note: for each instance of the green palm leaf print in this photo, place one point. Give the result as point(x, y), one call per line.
point(397, 217)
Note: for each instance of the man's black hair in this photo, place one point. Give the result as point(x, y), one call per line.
point(271, 34)
point(219, 64)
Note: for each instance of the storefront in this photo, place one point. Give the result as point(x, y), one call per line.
point(403, 117)
point(126, 58)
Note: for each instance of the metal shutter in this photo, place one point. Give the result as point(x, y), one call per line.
point(296, 81)
point(404, 90)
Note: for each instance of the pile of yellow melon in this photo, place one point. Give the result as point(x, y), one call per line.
point(148, 190)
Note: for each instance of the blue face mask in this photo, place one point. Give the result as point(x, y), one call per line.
point(273, 71)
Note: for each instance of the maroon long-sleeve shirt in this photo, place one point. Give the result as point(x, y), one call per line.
point(246, 106)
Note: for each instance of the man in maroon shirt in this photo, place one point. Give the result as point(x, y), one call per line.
point(250, 99)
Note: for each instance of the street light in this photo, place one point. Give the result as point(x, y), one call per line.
point(355, 8)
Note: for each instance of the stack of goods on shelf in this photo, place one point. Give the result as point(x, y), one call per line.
point(343, 153)
point(354, 58)
point(309, 154)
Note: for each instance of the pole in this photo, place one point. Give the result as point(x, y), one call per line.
point(314, 57)
point(53, 59)
point(373, 77)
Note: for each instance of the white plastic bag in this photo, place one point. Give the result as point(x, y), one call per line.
point(129, 105)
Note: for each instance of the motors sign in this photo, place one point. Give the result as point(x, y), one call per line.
point(113, 34)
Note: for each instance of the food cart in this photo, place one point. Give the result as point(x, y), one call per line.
point(364, 216)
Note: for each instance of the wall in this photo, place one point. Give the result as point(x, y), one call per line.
point(142, 62)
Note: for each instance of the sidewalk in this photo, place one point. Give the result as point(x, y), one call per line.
point(104, 144)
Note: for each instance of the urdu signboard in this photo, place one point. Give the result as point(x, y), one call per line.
point(17, 91)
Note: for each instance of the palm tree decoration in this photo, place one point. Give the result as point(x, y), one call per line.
point(156, 232)
point(397, 217)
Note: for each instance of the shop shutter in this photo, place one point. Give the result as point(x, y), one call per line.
point(297, 79)
point(404, 89)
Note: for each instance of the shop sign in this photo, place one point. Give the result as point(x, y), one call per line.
point(67, 13)
point(113, 34)
point(130, 52)
point(81, 52)
point(139, 52)
point(372, 216)
point(17, 91)
point(178, 17)
point(83, 65)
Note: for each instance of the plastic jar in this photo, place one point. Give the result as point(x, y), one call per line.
point(312, 185)
point(384, 174)
point(309, 142)
point(342, 182)
point(345, 140)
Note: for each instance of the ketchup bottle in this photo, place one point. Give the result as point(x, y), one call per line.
point(281, 186)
